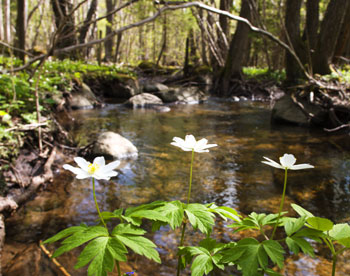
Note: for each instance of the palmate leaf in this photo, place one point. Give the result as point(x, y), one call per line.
point(301, 211)
point(297, 243)
point(131, 237)
point(66, 232)
point(224, 212)
point(173, 211)
point(206, 256)
point(275, 252)
point(79, 238)
point(341, 234)
point(200, 217)
point(102, 251)
point(292, 225)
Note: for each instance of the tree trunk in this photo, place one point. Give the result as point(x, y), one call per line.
point(7, 21)
point(225, 5)
point(85, 28)
point(110, 4)
point(329, 35)
point(66, 35)
point(292, 23)
point(238, 46)
point(344, 38)
point(312, 23)
point(21, 29)
point(1, 24)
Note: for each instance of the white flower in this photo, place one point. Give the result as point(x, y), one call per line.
point(287, 162)
point(97, 169)
point(190, 144)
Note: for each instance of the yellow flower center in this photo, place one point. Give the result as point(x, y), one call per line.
point(92, 168)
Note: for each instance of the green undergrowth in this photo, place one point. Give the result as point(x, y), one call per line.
point(17, 97)
point(264, 74)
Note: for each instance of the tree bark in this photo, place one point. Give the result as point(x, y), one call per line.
point(64, 22)
point(7, 22)
point(329, 35)
point(238, 45)
point(21, 29)
point(312, 23)
point(292, 23)
point(85, 28)
point(344, 38)
point(1, 23)
point(110, 4)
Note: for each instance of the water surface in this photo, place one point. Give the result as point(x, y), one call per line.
point(231, 174)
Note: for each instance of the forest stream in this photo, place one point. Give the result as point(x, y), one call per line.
point(231, 174)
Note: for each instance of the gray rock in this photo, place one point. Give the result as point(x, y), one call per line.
point(112, 144)
point(124, 88)
point(143, 100)
point(188, 95)
point(83, 99)
point(285, 110)
point(155, 87)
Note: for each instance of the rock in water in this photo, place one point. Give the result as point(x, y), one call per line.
point(114, 145)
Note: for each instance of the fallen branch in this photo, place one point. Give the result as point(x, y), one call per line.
point(337, 128)
point(48, 253)
point(26, 127)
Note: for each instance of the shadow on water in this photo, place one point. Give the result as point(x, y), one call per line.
point(231, 174)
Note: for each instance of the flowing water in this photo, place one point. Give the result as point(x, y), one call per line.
point(231, 174)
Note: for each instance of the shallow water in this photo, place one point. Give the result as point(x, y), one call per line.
point(231, 174)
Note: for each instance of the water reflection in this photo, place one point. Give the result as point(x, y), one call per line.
point(231, 174)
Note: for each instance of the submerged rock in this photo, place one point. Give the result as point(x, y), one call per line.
point(188, 95)
point(286, 111)
point(112, 144)
point(149, 101)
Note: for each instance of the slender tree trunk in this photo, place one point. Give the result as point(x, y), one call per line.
point(7, 21)
point(85, 28)
point(238, 45)
point(292, 23)
point(110, 4)
point(21, 29)
point(1, 22)
point(224, 30)
point(344, 38)
point(329, 35)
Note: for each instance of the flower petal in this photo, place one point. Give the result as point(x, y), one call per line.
point(301, 167)
point(110, 167)
point(100, 160)
point(83, 175)
point(74, 170)
point(272, 163)
point(82, 163)
point(287, 160)
point(190, 141)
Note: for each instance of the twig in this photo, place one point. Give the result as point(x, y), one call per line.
point(26, 127)
point(48, 253)
point(337, 128)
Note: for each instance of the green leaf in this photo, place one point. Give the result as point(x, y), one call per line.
point(224, 212)
point(321, 224)
point(310, 233)
point(292, 225)
point(249, 254)
point(173, 211)
point(131, 237)
point(200, 217)
point(297, 243)
point(270, 272)
point(79, 238)
point(301, 211)
point(201, 265)
point(148, 214)
point(66, 232)
point(341, 233)
point(275, 251)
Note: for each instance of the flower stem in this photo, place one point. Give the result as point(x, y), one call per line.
point(184, 223)
point(190, 184)
point(282, 203)
point(118, 267)
point(98, 209)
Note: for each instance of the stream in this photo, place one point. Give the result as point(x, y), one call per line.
point(231, 174)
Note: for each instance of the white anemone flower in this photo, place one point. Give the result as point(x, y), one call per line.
point(287, 163)
point(190, 144)
point(98, 169)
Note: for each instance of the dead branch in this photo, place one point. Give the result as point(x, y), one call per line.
point(48, 253)
point(337, 128)
point(26, 127)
